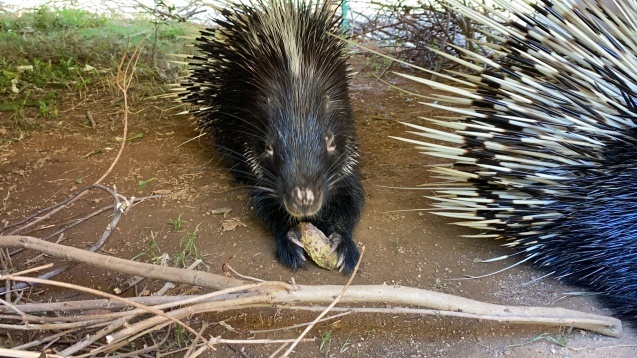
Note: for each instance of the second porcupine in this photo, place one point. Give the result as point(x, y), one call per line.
point(544, 153)
point(270, 86)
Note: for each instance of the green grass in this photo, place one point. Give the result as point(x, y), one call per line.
point(176, 224)
point(326, 341)
point(188, 248)
point(560, 339)
point(47, 53)
point(347, 344)
point(142, 184)
point(153, 251)
point(181, 336)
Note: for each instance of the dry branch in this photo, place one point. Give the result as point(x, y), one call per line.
point(281, 294)
point(118, 207)
point(195, 278)
point(409, 31)
point(24, 354)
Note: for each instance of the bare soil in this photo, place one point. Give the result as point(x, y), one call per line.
point(404, 246)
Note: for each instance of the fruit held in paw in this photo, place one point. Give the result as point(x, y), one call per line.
point(318, 246)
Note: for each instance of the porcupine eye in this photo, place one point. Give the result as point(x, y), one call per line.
point(331, 144)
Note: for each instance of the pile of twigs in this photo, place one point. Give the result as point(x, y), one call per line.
point(145, 319)
point(414, 31)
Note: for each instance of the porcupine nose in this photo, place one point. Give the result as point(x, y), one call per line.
point(303, 201)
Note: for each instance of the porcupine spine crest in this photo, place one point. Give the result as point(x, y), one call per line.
point(544, 149)
point(270, 87)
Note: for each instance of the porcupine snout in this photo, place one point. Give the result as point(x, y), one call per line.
point(302, 183)
point(302, 159)
point(303, 201)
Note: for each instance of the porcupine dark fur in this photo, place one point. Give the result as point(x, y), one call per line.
point(544, 152)
point(270, 86)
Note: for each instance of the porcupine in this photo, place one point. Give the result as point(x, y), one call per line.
point(544, 152)
point(270, 86)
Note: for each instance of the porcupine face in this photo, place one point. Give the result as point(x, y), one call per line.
point(298, 98)
point(304, 150)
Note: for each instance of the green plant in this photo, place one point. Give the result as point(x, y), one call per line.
point(153, 250)
point(131, 138)
point(80, 85)
point(45, 109)
point(561, 339)
point(326, 339)
point(48, 49)
point(142, 183)
point(176, 223)
point(345, 346)
point(188, 248)
point(181, 336)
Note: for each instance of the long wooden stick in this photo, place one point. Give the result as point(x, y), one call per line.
point(439, 303)
point(195, 278)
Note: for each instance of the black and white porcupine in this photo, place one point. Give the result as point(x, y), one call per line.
point(544, 151)
point(270, 86)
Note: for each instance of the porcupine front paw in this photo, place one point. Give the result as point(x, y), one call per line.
point(289, 250)
point(347, 251)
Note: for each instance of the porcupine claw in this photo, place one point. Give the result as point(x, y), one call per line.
point(335, 240)
point(294, 235)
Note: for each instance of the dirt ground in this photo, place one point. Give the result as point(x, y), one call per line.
point(403, 246)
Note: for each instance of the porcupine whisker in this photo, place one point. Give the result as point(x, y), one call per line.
point(251, 134)
point(335, 173)
point(265, 179)
point(335, 165)
point(265, 191)
point(261, 131)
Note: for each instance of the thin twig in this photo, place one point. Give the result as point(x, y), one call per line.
point(169, 285)
point(218, 340)
point(33, 269)
point(103, 294)
point(196, 278)
point(299, 324)
point(37, 342)
point(318, 318)
point(53, 326)
point(140, 352)
point(90, 119)
point(90, 339)
point(204, 326)
point(123, 80)
point(196, 307)
point(250, 278)
point(14, 308)
point(282, 347)
point(100, 243)
point(12, 353)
